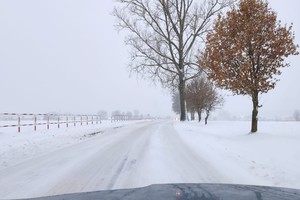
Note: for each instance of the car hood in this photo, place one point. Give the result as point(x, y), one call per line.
point(186, 192)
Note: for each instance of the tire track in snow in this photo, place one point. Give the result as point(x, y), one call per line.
point(117, 173)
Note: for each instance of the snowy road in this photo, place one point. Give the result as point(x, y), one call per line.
point(139, 155)
point(143, 153)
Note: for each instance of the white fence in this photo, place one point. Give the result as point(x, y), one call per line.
point(19, 120)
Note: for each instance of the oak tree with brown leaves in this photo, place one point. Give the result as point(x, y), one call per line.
point(246, 51)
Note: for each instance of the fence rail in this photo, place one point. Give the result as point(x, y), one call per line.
point(29, 119)
point(119, 118)
point(116, 118)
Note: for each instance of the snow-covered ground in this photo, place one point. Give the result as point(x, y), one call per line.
point(16, 147)
point(143, 153)
point(269, 157)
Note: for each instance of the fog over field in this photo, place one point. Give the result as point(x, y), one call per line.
point(66, 56)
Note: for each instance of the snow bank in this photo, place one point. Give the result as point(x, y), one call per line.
point(269, 157)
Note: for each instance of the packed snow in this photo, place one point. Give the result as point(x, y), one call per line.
point(16, 147)
point(136, 154)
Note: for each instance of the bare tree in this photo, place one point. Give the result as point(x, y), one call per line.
point(176, 103)
point(297, 115)
point(129, 115)
point(164, 36)
point(190, 109)
point(103, 114)
point(202, 96)
point(116, 112)
point(195, 92)
point(212, 100)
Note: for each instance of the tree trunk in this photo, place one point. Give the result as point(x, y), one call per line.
point(254, 112)
point(182, 99)
point(206, 118)
point(199, 115)
point(192, 116)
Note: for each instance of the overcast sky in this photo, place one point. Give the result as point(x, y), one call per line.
point(66, 56)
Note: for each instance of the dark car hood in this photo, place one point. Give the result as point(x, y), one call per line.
point(186, 192)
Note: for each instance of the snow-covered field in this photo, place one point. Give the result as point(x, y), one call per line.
point(136, 154)
point(269, 157)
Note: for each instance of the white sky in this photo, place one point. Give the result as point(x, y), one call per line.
point(66, 56)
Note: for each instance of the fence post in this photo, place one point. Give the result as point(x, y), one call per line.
point(34, 122)
point(72, 119)
point(67, 121)
point(19, 124)
point(48, 124)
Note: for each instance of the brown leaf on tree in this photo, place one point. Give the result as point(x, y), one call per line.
point(247, 49)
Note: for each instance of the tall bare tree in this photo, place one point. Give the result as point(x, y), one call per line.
point(165, 35)
point(246, 51)
point(176, 102)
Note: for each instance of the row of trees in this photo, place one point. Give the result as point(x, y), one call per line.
point(135, 115)
point(201, 96)
point(165, 36)
point(174, 41)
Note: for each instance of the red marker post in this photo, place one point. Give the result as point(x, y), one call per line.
point(34, 122)
point(48, 123)
point(19, 124)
